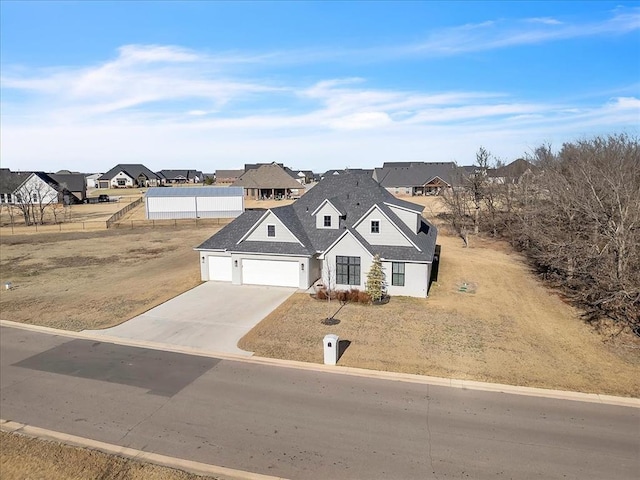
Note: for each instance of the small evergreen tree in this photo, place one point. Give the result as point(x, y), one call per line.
point(376, 281)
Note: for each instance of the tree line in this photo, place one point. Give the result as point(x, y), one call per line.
point(575, 214)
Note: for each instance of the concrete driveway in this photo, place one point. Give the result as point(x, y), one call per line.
point(213, 316)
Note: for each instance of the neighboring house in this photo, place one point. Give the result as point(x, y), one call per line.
point(511, 173)
point(40, 188)
point(194, 202)
point(73, 183)
point(302, 176)
point(332, 234)
point(268, 181)
point(92, 180)
point(360, 171)
point(129, 176)
point(227, 177)
point(180, 176)
point(9, 183)
point(416, 178)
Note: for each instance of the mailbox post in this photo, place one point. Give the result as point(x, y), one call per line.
point(331, 342)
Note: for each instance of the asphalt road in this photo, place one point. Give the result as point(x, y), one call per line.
point(304, 424)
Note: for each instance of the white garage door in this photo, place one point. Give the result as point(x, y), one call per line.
point(220, 268)
point(270, 272)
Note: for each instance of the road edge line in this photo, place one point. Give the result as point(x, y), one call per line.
point(190, 466)
point(344, 370)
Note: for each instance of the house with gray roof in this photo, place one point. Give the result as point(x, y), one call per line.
point(129, 175)
point(168, 177)
point(41, 188)
point(227, 177)
point(330, 234)
point(268, 181)
point(416, 178)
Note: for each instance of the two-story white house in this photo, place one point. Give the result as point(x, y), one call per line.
point(330, 234)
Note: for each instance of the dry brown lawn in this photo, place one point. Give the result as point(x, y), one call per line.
point(506, 328)
point(23, 458)
point(88, 280)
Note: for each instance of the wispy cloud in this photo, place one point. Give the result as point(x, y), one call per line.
point(509, 33)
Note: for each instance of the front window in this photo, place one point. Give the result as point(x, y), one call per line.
point(122, 182)
point(397, 274)
point(375, 226)
point(348, 270)
point(34, 197)
point(327, 220)
point(271, 230)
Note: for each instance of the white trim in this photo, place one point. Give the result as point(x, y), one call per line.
point(361, 219)
point(326, 200)
point(404, 208)
point(262, 254)
point(255, 225)
point(287, 229)
point(438, 177)
point(421, 262)
point(323, 254)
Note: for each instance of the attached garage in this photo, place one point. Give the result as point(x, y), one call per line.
point(219, 268)
point(282, 273)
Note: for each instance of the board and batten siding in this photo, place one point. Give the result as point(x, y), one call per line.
point(348, 246)
point(411, 219)
point(416, 279)
point(259, 234)
point(327, 210)
point(389, 233)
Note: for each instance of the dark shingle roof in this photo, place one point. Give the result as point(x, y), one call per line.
point(175, 174)
point(414, 174)
point(73, 182)
point(10, 181)
point(134, 170)
point(354, 195)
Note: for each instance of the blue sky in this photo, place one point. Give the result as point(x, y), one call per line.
point(316, 85)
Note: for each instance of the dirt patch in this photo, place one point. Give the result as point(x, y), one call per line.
point(23, 457)
point(510, 330)
point(88, 280)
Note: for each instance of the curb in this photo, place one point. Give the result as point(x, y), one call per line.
point(352, 371)
point(190, 466)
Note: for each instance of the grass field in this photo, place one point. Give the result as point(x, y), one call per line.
point(23, 458)
point(81, 280)
point(506, 328)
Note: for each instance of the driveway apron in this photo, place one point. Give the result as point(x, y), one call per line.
point(213, 316)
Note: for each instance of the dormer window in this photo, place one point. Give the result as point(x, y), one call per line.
point(271, 230)
point(375, 226)
point(327, 220)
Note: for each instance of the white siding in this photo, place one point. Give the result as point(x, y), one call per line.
point(123, 176)
point(260, 232)
point(327, 209)
point(348, 246)
point(36, 191)
point(416, 279)
point(411, 219)
point(389, 233)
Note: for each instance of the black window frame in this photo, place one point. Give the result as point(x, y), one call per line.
point(397, 276)
point(376, 224)
point(327, 220)
point(270, 229)
point(347, 270)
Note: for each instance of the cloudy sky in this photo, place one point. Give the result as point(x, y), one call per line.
point(209, 85)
